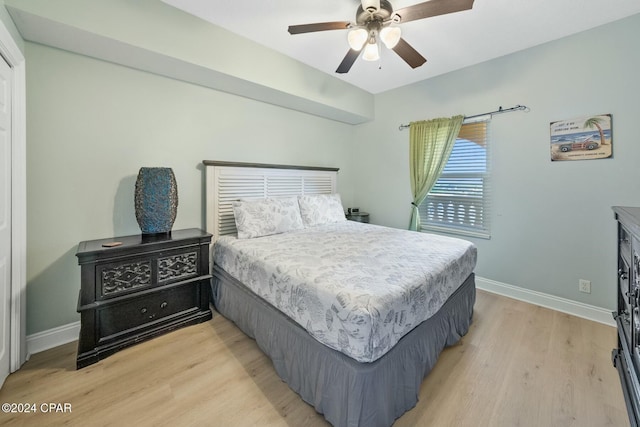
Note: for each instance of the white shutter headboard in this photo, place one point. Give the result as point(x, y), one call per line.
point(229, 181)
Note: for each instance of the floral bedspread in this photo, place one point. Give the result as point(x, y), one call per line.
point(357, 288)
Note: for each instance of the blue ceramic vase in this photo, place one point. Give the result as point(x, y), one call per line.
point(156, 200)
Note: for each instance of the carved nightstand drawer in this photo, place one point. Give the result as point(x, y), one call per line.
point(145, 311)
point(140, 288)
point(124, 277)
point(133, 275)
point(180, 266)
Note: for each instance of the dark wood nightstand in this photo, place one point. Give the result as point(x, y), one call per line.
point(143, 287)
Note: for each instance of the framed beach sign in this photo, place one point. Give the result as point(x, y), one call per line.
point(582, 138)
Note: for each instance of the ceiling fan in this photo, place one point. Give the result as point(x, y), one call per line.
point(376, 20)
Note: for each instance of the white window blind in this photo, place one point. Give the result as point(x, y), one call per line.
point(459, 202)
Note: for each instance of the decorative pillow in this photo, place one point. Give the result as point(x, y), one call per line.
point(321, 209)
point(263, 217)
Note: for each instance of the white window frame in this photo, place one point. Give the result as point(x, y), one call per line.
point(458, 214)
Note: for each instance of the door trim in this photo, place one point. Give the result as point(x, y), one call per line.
point(14, 57)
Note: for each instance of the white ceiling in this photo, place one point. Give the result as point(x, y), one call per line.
point(491, 29)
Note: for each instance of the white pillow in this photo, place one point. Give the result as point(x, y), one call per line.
point(321, 209)
point(264, 217)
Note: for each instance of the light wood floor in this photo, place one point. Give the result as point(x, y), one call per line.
point(519, 365)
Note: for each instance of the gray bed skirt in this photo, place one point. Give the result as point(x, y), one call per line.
point(348, 393)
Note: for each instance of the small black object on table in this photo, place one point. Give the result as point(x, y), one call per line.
point(358, 216)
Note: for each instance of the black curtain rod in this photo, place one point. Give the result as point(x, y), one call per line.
point(500, 110)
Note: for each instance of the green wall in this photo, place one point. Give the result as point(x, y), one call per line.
point(92, 124)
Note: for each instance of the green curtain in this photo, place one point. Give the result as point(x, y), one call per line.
point(430, 145)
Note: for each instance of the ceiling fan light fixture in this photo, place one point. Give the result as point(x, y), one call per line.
point(390, 36)
point(371, 52)
point(370, 6)
point(380, 20)
point(357, 38)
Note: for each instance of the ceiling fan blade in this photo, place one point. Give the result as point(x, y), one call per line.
point(320, 26)
point(348, 61)
point(409, 54)
point(432, 8)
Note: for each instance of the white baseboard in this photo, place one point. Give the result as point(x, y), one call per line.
point(45, 340)
point(586, 311)
point(51, 338)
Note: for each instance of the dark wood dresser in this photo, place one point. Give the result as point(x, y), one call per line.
point(139, 289)
point(626, 358)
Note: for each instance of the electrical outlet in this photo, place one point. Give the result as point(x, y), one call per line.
point(584, 286)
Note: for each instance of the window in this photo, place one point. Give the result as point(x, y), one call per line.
point(459, 200)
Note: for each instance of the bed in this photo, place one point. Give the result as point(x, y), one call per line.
point(351, 320)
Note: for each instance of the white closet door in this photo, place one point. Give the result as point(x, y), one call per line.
point(5, 219)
